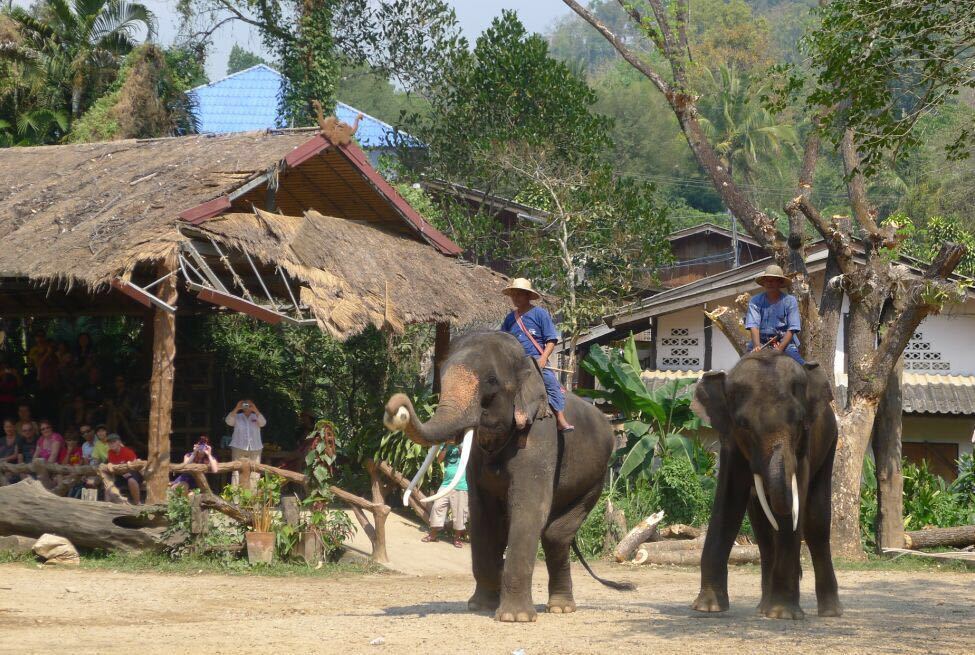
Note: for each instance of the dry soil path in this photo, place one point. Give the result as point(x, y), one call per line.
point(48, 610)
point(409, 555)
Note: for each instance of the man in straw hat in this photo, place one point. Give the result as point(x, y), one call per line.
point(773, 316)
point(535, 330)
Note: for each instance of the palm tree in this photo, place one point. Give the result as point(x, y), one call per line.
point(745, 134)
point(76, 47)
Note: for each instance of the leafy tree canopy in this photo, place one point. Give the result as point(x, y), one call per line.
point(241, 59)
point(883, 65)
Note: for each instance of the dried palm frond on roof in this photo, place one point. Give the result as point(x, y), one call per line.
point(355, 275)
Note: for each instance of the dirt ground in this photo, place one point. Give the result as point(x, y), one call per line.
point(49, 610)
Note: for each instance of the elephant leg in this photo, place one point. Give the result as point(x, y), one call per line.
point(731, 496)
point(764, 536)
point(556, 540)
point(783, 594)
point(487, 534)
point(816, 530)
point(529, 504)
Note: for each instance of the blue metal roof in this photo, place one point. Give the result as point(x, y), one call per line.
point(248, 100)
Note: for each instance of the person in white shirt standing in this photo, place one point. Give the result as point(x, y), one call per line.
point(247, 421)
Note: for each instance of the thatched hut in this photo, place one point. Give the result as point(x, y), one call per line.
point(284, 226)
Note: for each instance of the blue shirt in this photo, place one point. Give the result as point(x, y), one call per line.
point(774, 317)
point(539, 323)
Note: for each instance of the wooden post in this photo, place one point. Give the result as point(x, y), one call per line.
point(379, 514)
point(161, 386)
point(199, 515)
point(245, 475)
point(441, 345)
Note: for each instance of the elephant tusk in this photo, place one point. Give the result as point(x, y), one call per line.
point(465, 454)
point(795, 503)
point(419, 474)
point(760, 490)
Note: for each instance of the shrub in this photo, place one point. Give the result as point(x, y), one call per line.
point(678, 490)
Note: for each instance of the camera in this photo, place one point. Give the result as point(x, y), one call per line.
point(246, 405)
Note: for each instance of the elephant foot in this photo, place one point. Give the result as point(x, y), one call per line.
point(784, 611)
point(483, 601)
point(561, 605)
point(763, 606)
point(516, 613)
point(711, 601)
point(830, 607)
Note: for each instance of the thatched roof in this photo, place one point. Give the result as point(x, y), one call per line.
point(87, 213)
point(355, 275)
point(82, 215)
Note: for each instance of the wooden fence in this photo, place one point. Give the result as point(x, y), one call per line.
point(60, 479)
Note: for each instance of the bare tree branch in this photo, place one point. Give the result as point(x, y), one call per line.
point(925, 296)
point(856, 187)
point(731, 322)
point(673, 51)
point(620, 47)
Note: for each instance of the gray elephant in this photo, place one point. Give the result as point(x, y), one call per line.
point(526, 481)
point(778, 438)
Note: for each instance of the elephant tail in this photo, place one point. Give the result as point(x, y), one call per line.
point(618, 586)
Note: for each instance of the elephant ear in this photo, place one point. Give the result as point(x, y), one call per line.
point(710, 402)
point(818, 389)
point(531, 399)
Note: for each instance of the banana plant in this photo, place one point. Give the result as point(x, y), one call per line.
point(654, 421)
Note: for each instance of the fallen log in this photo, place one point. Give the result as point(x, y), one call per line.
point(692, 557)
point(31, 510)
point(640, 533)
point(673, 544)
point(681, 531)
point(957, 537)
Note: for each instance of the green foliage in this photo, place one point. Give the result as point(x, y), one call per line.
point(147, 99)
point(407, 40)
point(66, 54)
point(241, 59)
point(654, 421)
point(882, 65)
point(678, 490)
point(928, 499)
point(182, 544)
point(924, 241)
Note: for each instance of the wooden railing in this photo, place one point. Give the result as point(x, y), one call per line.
point(59, 479)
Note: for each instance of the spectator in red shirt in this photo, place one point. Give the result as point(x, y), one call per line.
point(119, 453)
point(71, 455)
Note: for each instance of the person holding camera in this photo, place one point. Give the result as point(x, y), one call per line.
point(247, 421)
point(202, 453)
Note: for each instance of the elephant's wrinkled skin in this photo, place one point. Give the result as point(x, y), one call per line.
point(526, 482)
point(775, 421)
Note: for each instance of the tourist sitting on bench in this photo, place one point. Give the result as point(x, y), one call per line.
point(202, 453)
point(119, 453)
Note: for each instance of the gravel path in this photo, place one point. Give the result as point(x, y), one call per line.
point(49, 610)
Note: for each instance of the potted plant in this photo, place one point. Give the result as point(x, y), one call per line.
point(260, 538)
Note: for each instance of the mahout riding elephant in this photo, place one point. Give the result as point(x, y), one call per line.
point(526, 481)
point(778, 438)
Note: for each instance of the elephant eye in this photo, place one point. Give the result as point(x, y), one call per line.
point(741, 422)
point(492, 379)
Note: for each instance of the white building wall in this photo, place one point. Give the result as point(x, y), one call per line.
point(680, 341)
point(943, 344)
point(723, 354)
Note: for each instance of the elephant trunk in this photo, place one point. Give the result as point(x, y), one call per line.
point(777, 487)
point(446, 425)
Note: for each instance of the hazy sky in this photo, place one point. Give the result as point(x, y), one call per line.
point(474, 16)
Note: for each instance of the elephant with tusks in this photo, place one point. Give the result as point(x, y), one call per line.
point(527, 482)
point(778, 438)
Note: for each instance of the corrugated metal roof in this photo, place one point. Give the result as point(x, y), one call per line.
point(248, 100)
point(923, 393)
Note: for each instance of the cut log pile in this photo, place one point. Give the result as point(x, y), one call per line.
point(677, 544)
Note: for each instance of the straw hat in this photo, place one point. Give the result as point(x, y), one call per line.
point(521, 284)
point(772, 271)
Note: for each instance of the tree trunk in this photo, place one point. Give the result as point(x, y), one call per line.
point(379, 514)
point(855, 427)
point(161, 387)
point(957, 537)
point(888, 426)
point(31, 510)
